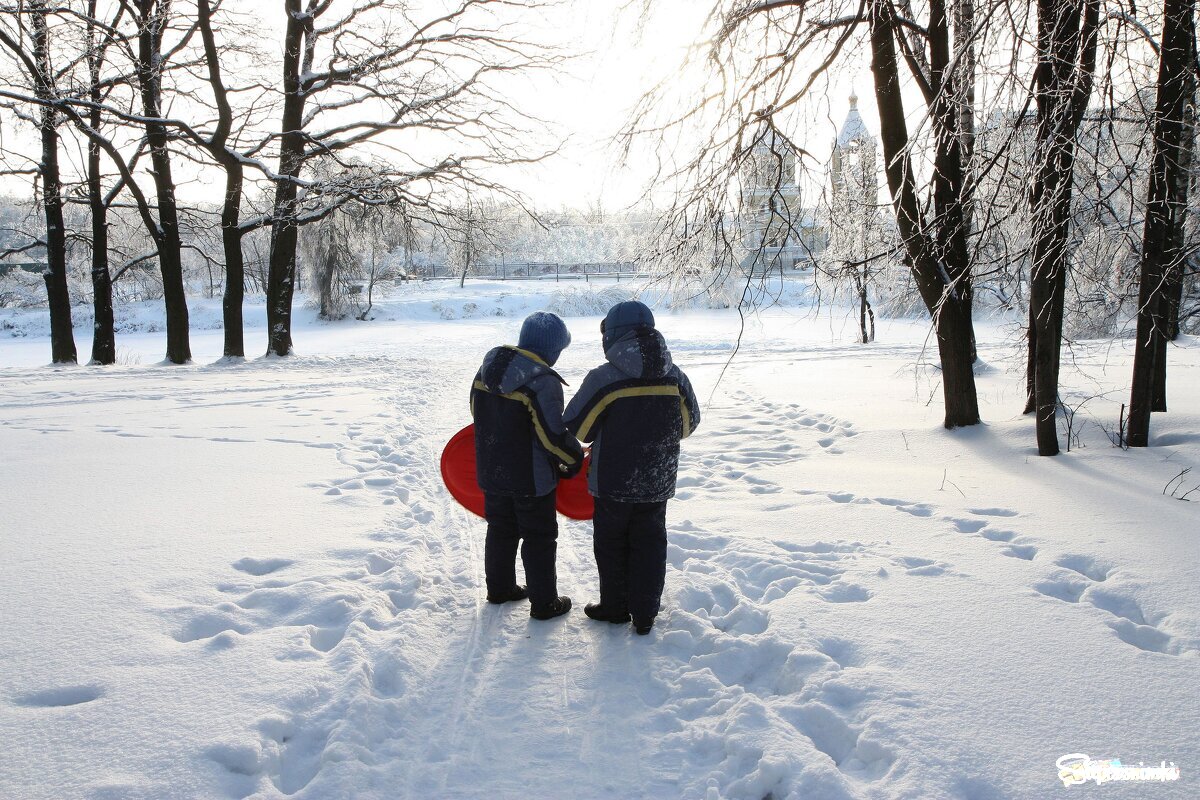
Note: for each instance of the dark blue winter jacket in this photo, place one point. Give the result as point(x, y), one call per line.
point(634, 409)
point(520, 441)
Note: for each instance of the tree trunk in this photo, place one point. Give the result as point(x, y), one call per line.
point(866, 316)
point(871, 320)
point(324, 260)
point(231, 208)
point(964, 86)
point(964, 91)
point(1051, 201)
point(170, 260)
point(1187, 160)
point(1166, 208)
point(62, 334)
point(938, 261)
point(104, 338)
point(370, 283)
point(235, 265)
point(281, 274)
point(862, 315)
point(1066, 61)
point(1030, 359)
point(1174, 286)
point(958, 362)
point(1173, 279)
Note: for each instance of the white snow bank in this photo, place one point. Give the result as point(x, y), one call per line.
point(439, 300)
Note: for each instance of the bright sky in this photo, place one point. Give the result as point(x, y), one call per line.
point(620, 55)
point(593, 97)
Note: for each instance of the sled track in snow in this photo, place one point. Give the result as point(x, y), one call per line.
point(346, 613)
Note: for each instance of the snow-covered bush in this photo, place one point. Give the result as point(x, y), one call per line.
point(21, 289)
point(582, 301)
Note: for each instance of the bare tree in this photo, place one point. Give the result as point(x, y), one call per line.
point(148, 63)
point(374, 63)
point(328, 248)
point(766, 59)
point(967, 64)
point(935, 247)
point(1163, 251)
point(221, 146)
point(471, 235)
point(28, 44)
point(1067, 34)
point(151, 19)
point(92, 106)
point(100, 38)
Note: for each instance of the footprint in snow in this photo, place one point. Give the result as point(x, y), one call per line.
point(1087, 566)
point(207, 625)
point(377, 564)
point(1082, 579)
point(908, 507)
point(60, 696)
point(997, 535)
point(261, 566)
point(293, 754)
point(968, 525)
point(843, 652)
point(1066, 589)
point(1026, 552)
point(914, 565)
point(845, 593)
point(993, 512)
point(850, 750)
point(237, 759)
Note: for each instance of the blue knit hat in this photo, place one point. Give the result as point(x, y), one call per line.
point(624, 317)
point(545, 334)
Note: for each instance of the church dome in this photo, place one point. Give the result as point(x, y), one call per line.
point(853, 129)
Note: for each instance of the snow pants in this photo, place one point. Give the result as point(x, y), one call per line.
point(532, 523)
point(630, 543)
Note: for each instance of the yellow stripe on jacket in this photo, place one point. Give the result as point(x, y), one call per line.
point(542, 435)
point(636, 391)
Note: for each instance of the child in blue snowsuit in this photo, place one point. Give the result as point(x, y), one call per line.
point(521, 450)
point(634, 409)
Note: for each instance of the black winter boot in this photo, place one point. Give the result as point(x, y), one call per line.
point(516, 593)
point(643, 625)
point(601, 614)
point(555, 609)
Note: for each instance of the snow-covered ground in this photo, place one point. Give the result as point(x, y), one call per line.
point(246, 580)
point(427, 301)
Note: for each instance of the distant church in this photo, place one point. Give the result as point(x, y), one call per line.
point(781, 234)
point(854, 220)
point(853, 174)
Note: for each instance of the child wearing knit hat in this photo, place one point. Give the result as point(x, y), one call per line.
point(634, 409)
point(521, 450)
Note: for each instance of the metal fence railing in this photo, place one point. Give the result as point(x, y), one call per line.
point(533, 271)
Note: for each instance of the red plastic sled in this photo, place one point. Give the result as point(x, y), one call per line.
point(458, 473)
point(573, 499)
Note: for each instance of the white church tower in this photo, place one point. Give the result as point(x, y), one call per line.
point(854, 223)
point(771, 211)
point(858, 235)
